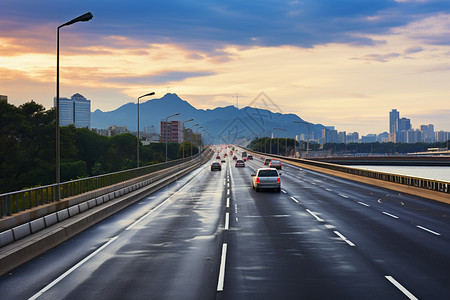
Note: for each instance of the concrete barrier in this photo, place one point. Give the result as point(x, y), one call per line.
point(50, 219)
point(73, 210)
point(21, 231)
point(92, 203)
point(99, 200)
point(6, 237)
point(83, 207)
point(37, 225)
point(62, 214)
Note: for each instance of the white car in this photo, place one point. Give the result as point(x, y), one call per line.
point(266, 178)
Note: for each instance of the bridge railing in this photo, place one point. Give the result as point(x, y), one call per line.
point(14, 202)
point(429, 184)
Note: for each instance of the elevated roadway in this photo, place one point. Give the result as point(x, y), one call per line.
point(209, 235)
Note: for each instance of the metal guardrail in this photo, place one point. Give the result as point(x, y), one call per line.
point(14, 202)
point(429, 184)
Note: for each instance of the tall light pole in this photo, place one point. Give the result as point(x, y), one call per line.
point(83, 18)
point(167, 136)
point(183, 132)
point(196, 139)
point(192, 139)
point(149, 94)
point(307, 139)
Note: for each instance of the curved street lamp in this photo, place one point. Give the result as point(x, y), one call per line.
point(149, 94)
point(183, 132)
point(167, 136)
point(83, 18)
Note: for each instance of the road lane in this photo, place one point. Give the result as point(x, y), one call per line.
point(394, 246)
point(166, 246)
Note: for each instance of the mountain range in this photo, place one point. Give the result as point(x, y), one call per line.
point(223, 124)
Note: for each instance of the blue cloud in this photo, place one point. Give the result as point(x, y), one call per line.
point(160, 78)
point(209, 25)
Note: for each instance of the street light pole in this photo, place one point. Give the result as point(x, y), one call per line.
point(183, 132)
point(192, 139)
point(307, 139)
point(83, 18)
point(167, 136)
point(149, 94)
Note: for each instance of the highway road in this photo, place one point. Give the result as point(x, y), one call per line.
point(211, 236)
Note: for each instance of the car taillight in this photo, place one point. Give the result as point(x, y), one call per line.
point(257, 180)
point(278, 180)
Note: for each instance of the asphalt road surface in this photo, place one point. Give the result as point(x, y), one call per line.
point(211, 236)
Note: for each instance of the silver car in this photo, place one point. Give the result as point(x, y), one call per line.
point(266, 178)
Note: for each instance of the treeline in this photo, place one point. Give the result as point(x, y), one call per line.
point(28, 149)
point(278, 146)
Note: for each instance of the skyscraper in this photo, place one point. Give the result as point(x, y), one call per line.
point(394, 115)
point(76, 110)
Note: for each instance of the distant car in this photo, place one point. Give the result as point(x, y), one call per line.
point(266, 178)
point(239, 163)
point(225, 155)
point(250, 157)
point(244, 158)
point(222, 161)
point(216, 166)
point(267, 161)
point(218, 157)
point(234, 157)
point(275, 164)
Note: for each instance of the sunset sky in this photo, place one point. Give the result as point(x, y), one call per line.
point(345, 63)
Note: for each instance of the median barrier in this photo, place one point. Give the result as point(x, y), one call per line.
point(15, 252)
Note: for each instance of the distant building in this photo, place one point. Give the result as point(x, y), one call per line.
point(428, 135)
point(353, 137)
point(342, 137)
point(370, 138)
point(111, 130)
point(76, 110)
point(383, 137)
point(330, 135)
point(442, 136)
point(413, 136)
point(172, 132)
point(394, 115)
point(4, 98)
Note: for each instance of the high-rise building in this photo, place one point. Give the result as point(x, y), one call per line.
point(394, 115)
point(428, 135)
point(171, 131)
point(442, 136)
point(76, 110)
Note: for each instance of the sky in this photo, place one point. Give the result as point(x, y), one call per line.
point(342, 63)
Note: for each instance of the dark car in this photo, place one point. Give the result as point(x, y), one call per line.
point(267, 161)
point(234, 157)
point(239, 163)
point(216, 166)
point(250, 157)
point(218, 157)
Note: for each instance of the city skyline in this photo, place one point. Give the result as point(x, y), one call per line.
point(339, 63)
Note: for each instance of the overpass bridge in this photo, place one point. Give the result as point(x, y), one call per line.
point(197, 234)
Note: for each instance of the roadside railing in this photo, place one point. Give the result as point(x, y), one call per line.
point(14, 202)
point(429, 184)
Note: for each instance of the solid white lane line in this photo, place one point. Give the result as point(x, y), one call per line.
point(222, 268)
point(314, 215)
point(294, 199)
point(284, 192)
point(328, 190)
point(344, 238)
point(362, 203)
point(343, 195)
point(390, 215)
point(228, 202)
point(143, 217)
point(401, 288)
point(227, 221)
point(65, 274)
point(429, 230)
